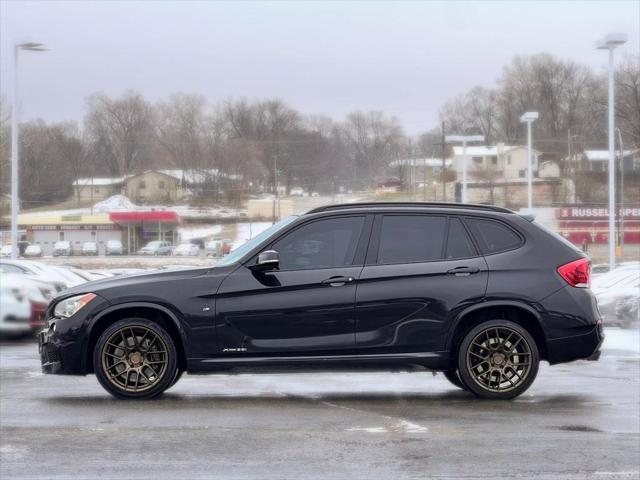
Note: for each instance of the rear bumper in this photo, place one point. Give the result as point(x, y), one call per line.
point(585, 346)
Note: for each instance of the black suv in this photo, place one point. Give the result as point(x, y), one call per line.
point(480, 293)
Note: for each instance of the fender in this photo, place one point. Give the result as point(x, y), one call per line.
point(155, 306)
point(488, 304)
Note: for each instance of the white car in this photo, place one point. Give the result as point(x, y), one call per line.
point(5, 251)
point(15, 310)
point(186, 250)
point(156, 247)
point(114, 247)
point(89, 248)
point(59, 277)
point(33, 251)
point(617, 292)
point(62, 248)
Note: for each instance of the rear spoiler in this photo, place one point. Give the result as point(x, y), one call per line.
point(528, 216)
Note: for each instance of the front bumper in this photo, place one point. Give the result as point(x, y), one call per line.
point(50, 357)
point(585, 346)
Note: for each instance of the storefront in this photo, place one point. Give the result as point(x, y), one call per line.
point(46, 230)
point(142, 226)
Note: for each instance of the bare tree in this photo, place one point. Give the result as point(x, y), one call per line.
point(121, 131)
point(628, 100)
point(375, 140)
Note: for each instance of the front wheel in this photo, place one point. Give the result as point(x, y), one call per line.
point(454, 377)
point(135, 358)
point(498, 360)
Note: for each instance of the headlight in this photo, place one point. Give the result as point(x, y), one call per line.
point(70, 306)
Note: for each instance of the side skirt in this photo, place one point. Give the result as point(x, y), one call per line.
point(265, 364)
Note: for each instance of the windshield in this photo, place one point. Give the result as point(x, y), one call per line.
point(154, 244)
point(241, 251)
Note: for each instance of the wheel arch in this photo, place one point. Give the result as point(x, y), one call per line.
point(152, 311)
point(515, 311)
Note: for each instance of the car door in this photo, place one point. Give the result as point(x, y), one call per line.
point(420, 270)
point(306, 306)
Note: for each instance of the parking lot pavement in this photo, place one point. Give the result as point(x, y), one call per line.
point(579, 420)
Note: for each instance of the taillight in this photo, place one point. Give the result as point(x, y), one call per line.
point(576, 273)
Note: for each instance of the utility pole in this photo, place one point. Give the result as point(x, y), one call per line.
point(621, 202)
point(444, 165)
point(610, 42)
point(275, 186)
point(465, 164)
point(15, 197)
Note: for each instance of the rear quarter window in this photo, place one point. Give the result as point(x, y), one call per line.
point(493, 236)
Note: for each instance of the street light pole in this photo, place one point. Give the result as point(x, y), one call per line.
point(529, 118)
point(15, 198)
point(464, 139)
point(610, 42)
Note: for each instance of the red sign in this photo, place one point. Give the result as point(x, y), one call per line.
point(596, 212)
point(144, 216)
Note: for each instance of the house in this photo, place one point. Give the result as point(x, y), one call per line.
point(151, 186)
point(96, 189)
point(598, 160)
point(507, 162)
point(415, 170)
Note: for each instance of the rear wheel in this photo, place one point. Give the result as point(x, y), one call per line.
point(498, 360)
point(135, 358)
point(454, 377)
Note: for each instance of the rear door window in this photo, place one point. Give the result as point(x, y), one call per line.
point(493, 236)
point(411, 238)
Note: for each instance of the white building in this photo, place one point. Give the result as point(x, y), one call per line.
point(508, 161)
point(598, 160)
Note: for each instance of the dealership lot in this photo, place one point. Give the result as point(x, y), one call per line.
point(579, 420)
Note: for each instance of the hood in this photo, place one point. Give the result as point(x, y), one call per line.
point(102, 286)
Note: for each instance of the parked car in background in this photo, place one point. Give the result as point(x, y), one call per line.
point(114, 247)
point(38, 293)
point(15, 310)
point(186, 250)
point(89, 248)
point(617, 293)
point(5, 251)
point(156, 247)
point(33, 251)
point(59, 277)
point(62, 248)
point(213, 248)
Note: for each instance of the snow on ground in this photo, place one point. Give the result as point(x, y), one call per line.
point(621, 339)
point(245, 231)
point(190, 233)
point(114, 203)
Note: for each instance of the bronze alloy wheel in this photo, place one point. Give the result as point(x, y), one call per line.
point(134, 359)
point(499, 359)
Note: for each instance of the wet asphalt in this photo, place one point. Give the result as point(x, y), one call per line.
point(579, 420)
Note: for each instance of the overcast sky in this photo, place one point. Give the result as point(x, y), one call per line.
point(328, 58)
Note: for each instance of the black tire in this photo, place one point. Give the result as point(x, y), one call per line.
point(135, 349)
point(494, 353)
point(176, 377)
point(454, 377)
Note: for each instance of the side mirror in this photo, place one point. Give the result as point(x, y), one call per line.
point(267, 260)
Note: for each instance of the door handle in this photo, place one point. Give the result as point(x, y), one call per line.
point(463, 271)
point(337, 281)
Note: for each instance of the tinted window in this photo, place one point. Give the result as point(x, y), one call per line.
point(411, 238)
point(494, 236)
point(458, 242)
point(321, 244)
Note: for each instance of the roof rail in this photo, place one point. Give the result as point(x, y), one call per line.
point(466, 206)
